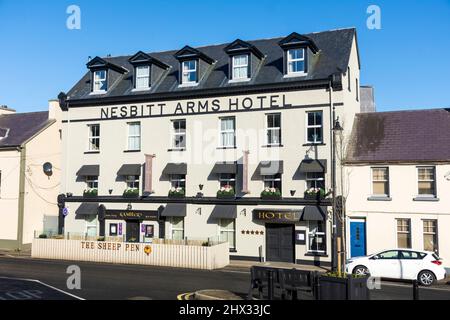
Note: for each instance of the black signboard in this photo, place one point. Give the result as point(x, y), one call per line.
point(277, 216)
point(131, 215)
point(300, 237)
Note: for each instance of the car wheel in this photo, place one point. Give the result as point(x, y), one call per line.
point(361, 271)
point(426, 278)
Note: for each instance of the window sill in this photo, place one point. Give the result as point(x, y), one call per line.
point(295, 75)
point(432, 199)
point(309, 144)
point(223, 148)
point(172, 150)
point(187, 85)
point(131, 151)
point(141, 89)
point(93, 93)
point(91, 152)
point(239, 80)
point(272, 146)
point(316, 254)
point(375, 198)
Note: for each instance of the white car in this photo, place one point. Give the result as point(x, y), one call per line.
point(405, 264)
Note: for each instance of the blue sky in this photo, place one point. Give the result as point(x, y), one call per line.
point(407, 60)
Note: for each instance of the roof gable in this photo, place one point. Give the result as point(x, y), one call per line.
point(190, 53)
point(99, 63)
point(143, 58)
point(295, 39)
point(239, 46)
point(19, 127)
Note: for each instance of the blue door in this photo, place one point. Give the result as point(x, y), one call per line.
point(357, 238)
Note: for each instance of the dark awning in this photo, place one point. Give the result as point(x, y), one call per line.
point(89, 170)
point(129, 170)
point(269, 168)
point(314, 213)
point(224, 167)
point(224, 212)
point(175, 168)
point(313, 165)
point(87, 209)
point(174, 210)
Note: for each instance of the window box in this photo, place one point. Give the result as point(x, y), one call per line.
point(315, 194)
point(226, 192)
point(90, 193)
point(131, 193)
point(271, 194)
point(343, 287)
point(177, 193)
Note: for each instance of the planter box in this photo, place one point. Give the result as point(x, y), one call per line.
point(131, 195)
point(332, 288)
point(177, 195)
point(313, 197)
point(226, 196)
point(271, 197)
point(89, 195)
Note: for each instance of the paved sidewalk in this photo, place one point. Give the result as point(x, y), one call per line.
point(13, 253)
point(245, 265)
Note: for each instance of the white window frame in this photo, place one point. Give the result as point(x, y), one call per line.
point(409, 233)
point(180, 132)
point(309, 178)
point(272, 179)
point(144, 76)
point(434, 234)
point(385, 181)
point(293, 60)
point(97, 81)
point(236, 66)
point(132, 180)
point(228, 231)
point(227, 131)
point(316, 126)
point(311, 234)
point(90, 180)
point(175, 181)
point(172, 228)
point(185, 72)
point(434, 181)
point(138, 136)
point(273, 129)
point(231, 181)
point(92, 137)
point(92, 224)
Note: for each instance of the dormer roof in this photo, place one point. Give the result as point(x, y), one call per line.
point(298, 40)
point(100, 63)
point(188, 53)
point(143, 58)
point(240, 46)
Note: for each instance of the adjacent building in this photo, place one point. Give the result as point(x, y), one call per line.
point(397, 182)
point(217, 142)
point(29, 175)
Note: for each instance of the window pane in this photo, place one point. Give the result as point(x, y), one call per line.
point(380, 188)
point(426, 188)
point(403, 240)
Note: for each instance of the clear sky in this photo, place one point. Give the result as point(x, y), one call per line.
point(407, 60)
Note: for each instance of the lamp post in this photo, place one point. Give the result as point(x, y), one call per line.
point(336, 240)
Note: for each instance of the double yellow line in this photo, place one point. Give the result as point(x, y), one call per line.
point(185, 296)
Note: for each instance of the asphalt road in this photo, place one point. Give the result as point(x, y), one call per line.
point(123, 282)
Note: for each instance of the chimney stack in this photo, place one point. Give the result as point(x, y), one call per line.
point(5, 110)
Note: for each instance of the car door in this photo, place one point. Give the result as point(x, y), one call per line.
point(410, 264)
point(386, 264)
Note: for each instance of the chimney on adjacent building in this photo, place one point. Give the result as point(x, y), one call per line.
point(367, 99)
point(5, 110)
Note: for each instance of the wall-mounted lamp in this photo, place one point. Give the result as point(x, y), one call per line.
point(244, 212)
point(293, 193)
point(129, 206)
point(200, 186)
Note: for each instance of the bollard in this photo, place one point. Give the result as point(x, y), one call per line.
point(270, 284)
point(316, 285)
point(415, 290)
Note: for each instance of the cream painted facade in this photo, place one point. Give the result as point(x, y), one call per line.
point(380, 216)
point(27, 195)
point(202, 152)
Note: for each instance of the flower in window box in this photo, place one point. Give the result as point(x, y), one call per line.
point(131, 192)
point(177, 192)
point(271, 193)
point(226, 192)
point(90, 193)
point(315, 193)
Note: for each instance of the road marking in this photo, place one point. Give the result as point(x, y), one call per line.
point(185, 296)
point(44, 284)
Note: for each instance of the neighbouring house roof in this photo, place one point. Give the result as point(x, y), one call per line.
point(400, 136)
point(19, 127)
point(333, 57)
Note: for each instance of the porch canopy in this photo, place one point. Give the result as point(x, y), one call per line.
point(175, 168)
point(224, 212)
point(129, 170)
point(270, 168)
point(313, 165)
point(174, 210)
point(224, 167)
point(87, 209)
point(314, 213)
point(89, 170)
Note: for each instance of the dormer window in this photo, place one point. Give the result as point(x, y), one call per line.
point(240, 67)
point(142, 77)
point(295, 61)
point(100, 81)
point(189, 72)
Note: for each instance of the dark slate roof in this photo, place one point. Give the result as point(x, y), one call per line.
point(400, 136)
point(334, 46)
point(22, 126)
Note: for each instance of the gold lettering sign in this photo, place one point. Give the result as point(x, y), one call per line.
point(277, 216)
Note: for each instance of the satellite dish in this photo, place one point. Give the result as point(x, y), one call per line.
point(48, 168)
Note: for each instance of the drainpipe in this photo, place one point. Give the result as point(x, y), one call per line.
point(333, 179)
point(21, 205)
